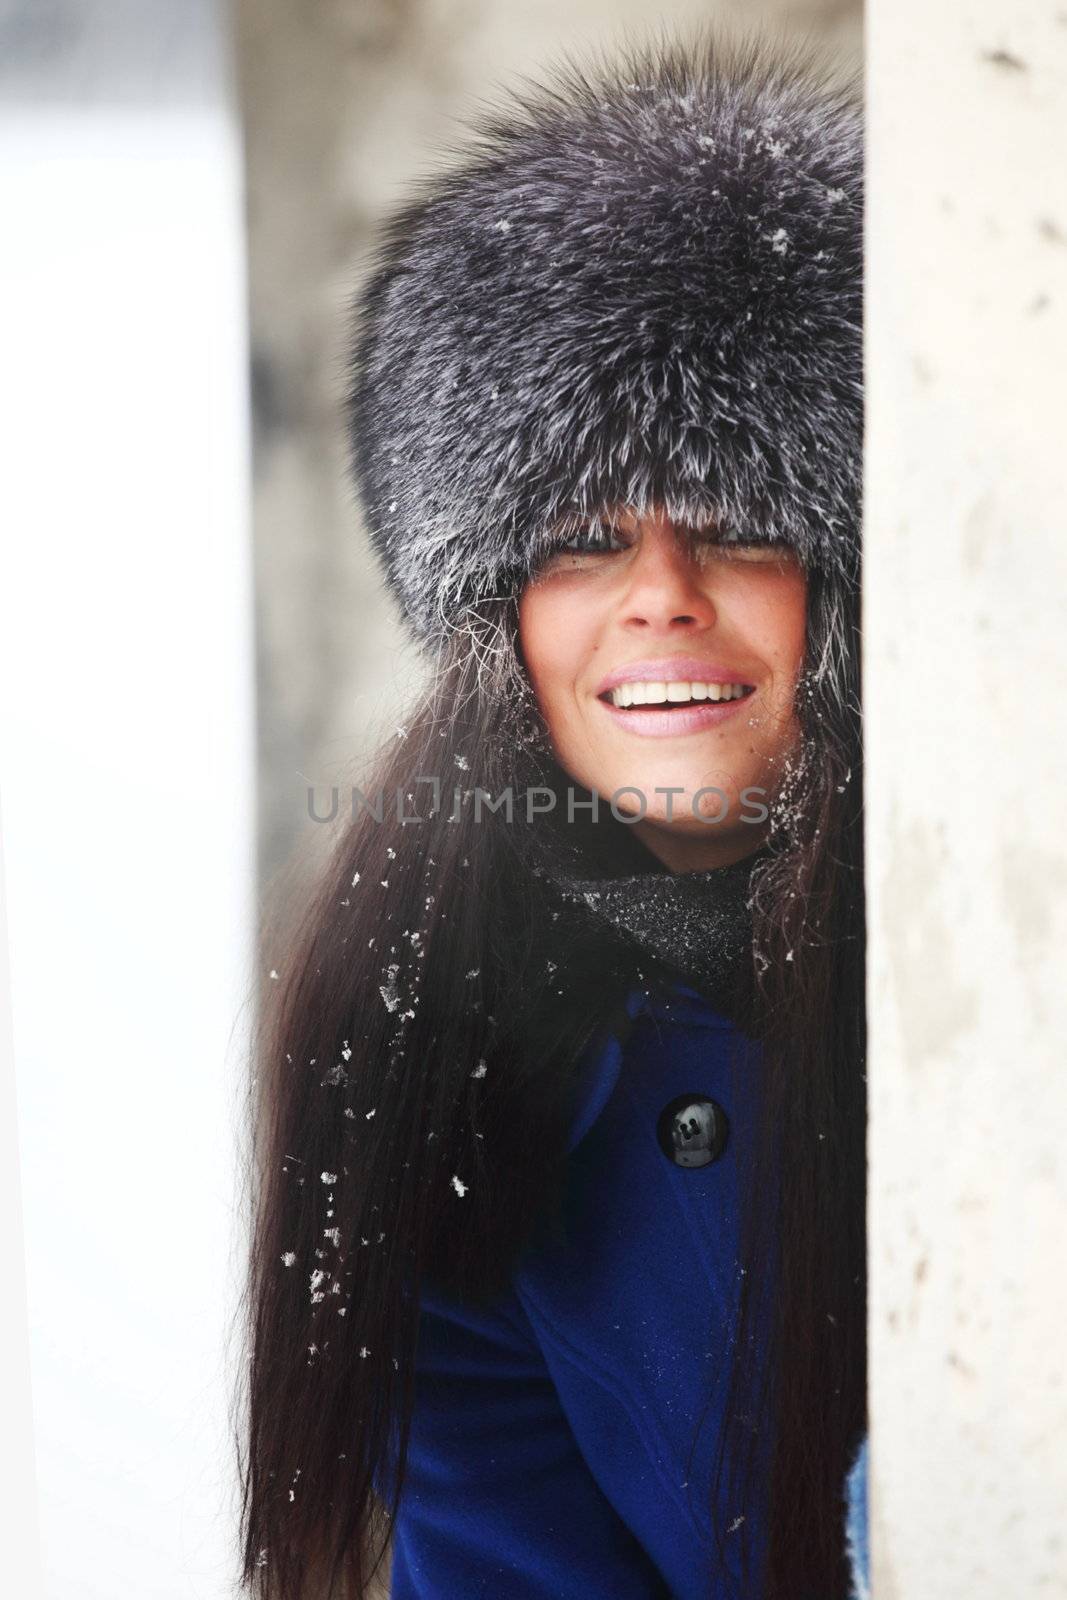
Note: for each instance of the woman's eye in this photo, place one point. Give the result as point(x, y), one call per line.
point(595, 539)
point(749, 550)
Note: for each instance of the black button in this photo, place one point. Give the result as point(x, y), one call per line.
point(692, 1130)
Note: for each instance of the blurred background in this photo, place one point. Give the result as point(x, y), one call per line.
point(191, 632)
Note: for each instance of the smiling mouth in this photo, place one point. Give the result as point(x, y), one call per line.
point(659, 696)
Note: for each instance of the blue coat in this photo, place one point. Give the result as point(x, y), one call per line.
point(563, 1439)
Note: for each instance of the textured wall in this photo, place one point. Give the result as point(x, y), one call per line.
point(965, 669)
point(344, 100)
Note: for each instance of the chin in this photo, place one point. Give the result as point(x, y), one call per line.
point(720, 813)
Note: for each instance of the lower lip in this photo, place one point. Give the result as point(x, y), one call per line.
point(693, 718)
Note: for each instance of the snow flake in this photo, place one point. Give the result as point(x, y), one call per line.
point(479, 1071)
point(273, 974)
point(460, 1187)
point(502, 225)
point(462, 763)
point(328, 1177)
point(779, 241)
point(836, 194)
point(289, 1258)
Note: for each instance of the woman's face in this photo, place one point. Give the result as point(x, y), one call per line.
point(663, 661)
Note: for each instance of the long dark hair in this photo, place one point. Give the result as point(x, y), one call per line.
point(428, 947)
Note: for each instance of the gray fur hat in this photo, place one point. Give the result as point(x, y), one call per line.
point(642, 285)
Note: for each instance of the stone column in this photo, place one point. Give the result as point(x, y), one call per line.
point(965, 672)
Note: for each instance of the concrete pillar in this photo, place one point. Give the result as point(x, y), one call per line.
point(965, 673)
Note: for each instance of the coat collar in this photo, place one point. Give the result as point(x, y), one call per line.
point(692, 928)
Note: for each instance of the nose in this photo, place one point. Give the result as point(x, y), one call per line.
point(664, 588)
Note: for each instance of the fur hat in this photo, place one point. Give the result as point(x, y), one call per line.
point(642, 285)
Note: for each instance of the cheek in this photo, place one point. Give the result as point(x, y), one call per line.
point(778, 621)
point(559, 636)
point(546, 640)
point(795, 624)
point(785, 643)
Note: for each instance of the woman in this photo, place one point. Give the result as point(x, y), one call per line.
point(558, 1270)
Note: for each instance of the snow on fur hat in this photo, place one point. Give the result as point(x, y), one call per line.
point(641, 286)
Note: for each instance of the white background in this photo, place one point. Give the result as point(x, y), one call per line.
point(127, 804)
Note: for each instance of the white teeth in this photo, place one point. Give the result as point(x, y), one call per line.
point(676, 692)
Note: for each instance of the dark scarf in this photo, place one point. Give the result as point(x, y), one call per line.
point(692, 926)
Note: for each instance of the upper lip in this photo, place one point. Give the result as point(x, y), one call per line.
point(672, 669)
